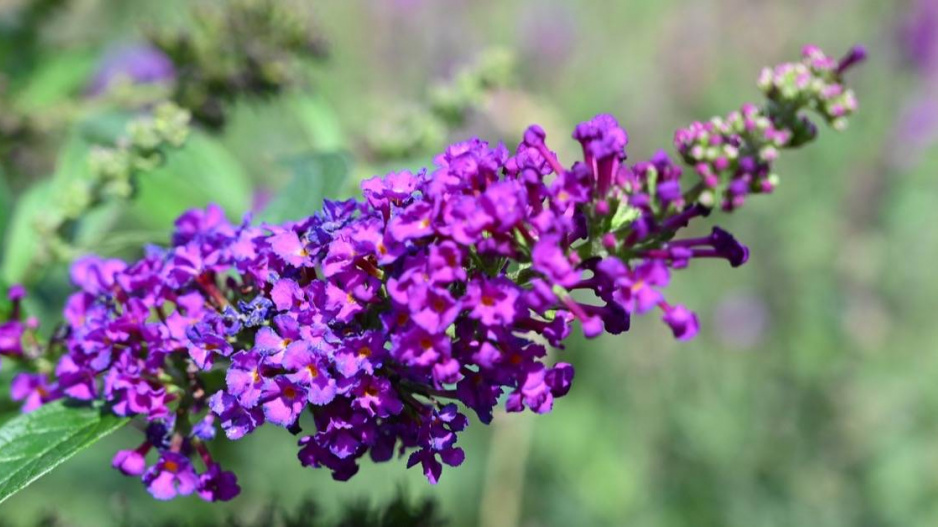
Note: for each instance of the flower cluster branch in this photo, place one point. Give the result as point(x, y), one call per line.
point(439, 290)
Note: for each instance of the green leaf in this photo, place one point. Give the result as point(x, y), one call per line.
point(320, 122)
point(33, 444)
point(20, 243)
point(58, 78)
point(6, 204)
point(201, 172)
point(315, 177)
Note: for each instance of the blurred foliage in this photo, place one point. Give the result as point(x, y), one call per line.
point(398, 512)
point(215, 63)
point(825, 415)
point(411, 130)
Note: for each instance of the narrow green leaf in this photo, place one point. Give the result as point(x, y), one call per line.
point(6, 204)
point(20, 244)
point(58, 78)
point(33, 444)
point(321, 123)
point(315, 177)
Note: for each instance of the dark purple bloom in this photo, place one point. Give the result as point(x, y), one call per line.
point(432, 468)
point(728, 247)
point(414, 222)
point(76, 380)
point(218, 485)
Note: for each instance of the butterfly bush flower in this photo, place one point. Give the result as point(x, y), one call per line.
point(360, 328)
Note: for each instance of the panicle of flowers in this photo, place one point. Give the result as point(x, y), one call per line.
point(734, 155)
point(377, 316)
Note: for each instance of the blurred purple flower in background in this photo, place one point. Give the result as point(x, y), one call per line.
point(917, 126)
point(918, 36)
point(741, 320)
point(137, 63)
point(547, 33)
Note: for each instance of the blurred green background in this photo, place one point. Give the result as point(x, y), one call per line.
point(810, 397)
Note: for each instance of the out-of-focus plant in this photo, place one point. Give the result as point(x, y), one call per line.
point(237, 48)
point(245, 49)
point(248, 49)
point(419, 128)
point(400, 511)
point(20, 27)
point(112, 175)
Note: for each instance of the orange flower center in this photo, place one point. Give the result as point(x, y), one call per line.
point(438, 305)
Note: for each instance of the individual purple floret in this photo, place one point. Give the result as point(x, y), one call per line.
point(373, 318)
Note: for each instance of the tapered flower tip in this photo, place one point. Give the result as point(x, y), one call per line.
point(16, 292)
point(129, 462)
point(218, 485)
point(729, 247)
point(534, 135)
point(682, 321)
point(856, 55)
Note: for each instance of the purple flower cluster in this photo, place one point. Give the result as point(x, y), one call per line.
point(375, 316)
point(734, 155)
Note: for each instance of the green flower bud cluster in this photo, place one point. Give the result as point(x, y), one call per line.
point(815, 83)
point(408, 131)
point(111, 174)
